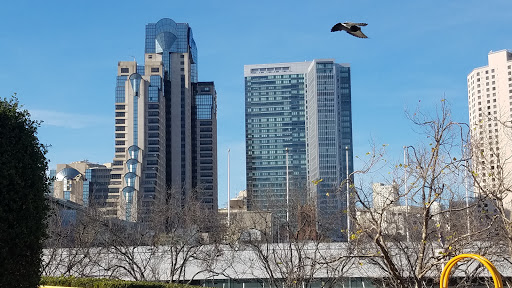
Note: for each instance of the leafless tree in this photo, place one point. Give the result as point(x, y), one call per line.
point(71, 247)
point(171, 236)
point(411, 242)
point(300, 259)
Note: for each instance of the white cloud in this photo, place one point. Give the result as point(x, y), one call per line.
point(68, 120)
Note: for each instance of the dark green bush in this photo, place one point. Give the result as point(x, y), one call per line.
point(105, 283)
point(23, 208)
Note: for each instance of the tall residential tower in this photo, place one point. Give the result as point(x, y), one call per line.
point(490, 112)
point(301, 112)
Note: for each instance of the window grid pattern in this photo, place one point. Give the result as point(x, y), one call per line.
point(140, 69)
point(154, 88)
point(275, 121)
point(204, 106)
point(120, 93)
point(329, 131)
point(85, 187)
point(204, 160)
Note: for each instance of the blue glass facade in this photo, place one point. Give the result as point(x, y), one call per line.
point(175, 42)
point(120, 89)
point(329, 131)
point(167, 36)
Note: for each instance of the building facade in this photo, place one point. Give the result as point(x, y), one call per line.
point(301, 112)
point(138, 168)
point(158, 137)
point(81, 182)
point(490, 109)
point(204, 148)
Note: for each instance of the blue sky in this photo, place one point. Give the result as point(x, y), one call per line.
point(60, 57)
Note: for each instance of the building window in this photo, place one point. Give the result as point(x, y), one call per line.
point(125, 70)
point(155, 69)
point(204, 106)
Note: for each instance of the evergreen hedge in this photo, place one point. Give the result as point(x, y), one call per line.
point(105, 283)
point(23, 207)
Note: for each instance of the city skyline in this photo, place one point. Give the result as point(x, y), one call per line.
point(57, 53)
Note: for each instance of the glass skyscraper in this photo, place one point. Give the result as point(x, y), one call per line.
point(204, 150)
point(154, 158)
point(302, 109)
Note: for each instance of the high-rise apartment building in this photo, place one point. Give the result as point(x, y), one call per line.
point(490, 109)
point(301, 112)
point(157, 129)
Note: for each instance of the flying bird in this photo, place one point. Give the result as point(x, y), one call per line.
point(351, 28)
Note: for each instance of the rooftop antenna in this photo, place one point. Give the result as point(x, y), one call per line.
point(133, 58)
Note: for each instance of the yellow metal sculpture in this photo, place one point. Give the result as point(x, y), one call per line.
point(496, 277)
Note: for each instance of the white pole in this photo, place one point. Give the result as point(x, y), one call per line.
point(287, 189)
point(229, 193)
point(348, 196)
point(467, 196)
point(406, 160)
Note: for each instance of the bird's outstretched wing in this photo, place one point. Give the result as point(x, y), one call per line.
point(360, 24)
point(337, 27)
point(358, 34)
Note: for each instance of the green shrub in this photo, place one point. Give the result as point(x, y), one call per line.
point(105, 283)
point(23, 208)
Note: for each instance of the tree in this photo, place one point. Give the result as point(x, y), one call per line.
point(299, 260)
point(411, 242)
point(23, 207)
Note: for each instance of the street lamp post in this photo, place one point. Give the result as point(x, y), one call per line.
point(229, 194)
point(406, 163)
point(348, 195)
point(287, 189)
